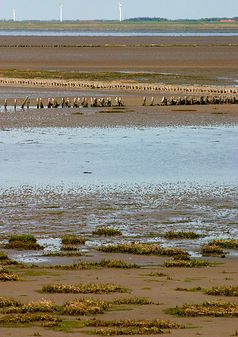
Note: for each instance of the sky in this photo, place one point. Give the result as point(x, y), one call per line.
point(109, 9)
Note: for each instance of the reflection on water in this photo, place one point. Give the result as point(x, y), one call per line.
point(113, 156)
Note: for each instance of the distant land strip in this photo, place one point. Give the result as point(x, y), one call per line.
point(135, 24)
point(116, 85)
point(151, 45)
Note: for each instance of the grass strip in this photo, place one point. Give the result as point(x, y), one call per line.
point(100, 264)
point(73, 240)
point(171, 235)
point(23, 242)
point(208, 308)
point(226, 244)
point(213, 249)
point(131, 327)
point(90, 288)
point(142, 249)
point(187, 264)
point(223, 291)
point(107, 231)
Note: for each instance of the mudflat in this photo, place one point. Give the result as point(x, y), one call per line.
point(51, 212)
point(206, 58)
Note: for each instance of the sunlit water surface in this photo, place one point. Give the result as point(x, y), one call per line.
point(111, 156)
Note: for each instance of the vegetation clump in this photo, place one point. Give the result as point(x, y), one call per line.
point(64, 253)
point(46, 312)
point(187, 263)
point(107, 231)
point(45, 319)
point(131, 327)
point(208, 250)
point(85, 307)
point(90, 288)
point(158, 274)
point(9, 302)
point(189, 289)
point(100, 264)
point(69, 248)
point(142, 249)
point(171, 235)
point(117, 331)
point(226, 244)
point(215, 291)
point(116, 264)
point(23, 242)
point(3, 256)
point(223, 291)
point(5, 260)
point(134, 300)
point(208, 308)
point(5, 275)
point(70, 239)
point(42, 306)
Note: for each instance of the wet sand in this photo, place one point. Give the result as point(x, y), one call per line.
point(37, 211)
point(133, 116)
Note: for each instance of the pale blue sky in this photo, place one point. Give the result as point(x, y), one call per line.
point(108, 9)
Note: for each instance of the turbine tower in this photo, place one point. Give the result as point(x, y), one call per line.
point(61, 12)
point(120, 11)
point(14, 14)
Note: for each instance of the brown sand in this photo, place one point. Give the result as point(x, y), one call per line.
point(205, 58)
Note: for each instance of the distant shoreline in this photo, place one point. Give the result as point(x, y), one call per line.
point(125, 26)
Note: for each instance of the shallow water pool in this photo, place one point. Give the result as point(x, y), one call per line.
point(113, 156)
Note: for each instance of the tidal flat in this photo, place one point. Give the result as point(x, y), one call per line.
point(162, 180)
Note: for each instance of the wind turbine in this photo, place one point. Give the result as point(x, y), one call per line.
point(14, 14)
point(61, 12)
point(120, 11)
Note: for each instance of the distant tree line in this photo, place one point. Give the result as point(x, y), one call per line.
point(158, 19)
